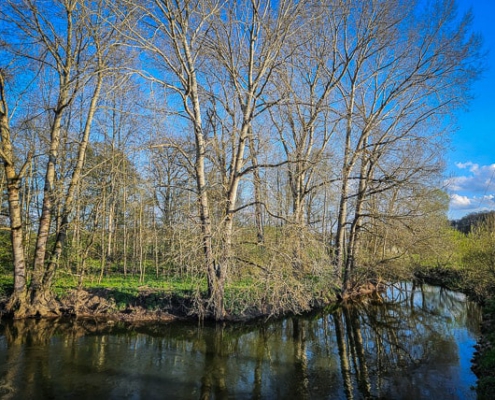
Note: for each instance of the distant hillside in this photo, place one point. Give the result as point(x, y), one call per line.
point(466, 223)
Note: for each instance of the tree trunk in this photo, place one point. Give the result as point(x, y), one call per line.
point(13, 189)
point(73, 185)
point(356, 222)
point(214, 271)
point(258, 210)
point(348, 164)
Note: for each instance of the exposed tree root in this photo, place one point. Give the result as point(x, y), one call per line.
point(33, 304)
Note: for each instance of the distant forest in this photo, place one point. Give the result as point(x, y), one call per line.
point(469, 221)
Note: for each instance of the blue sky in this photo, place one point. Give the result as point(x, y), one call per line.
point(471, 162)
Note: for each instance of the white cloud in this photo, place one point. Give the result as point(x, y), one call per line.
point(472, 190)
point(459, 202)
point(480, 180)
point(457, 183)
point(472, 166)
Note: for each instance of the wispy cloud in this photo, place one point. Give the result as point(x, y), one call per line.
point(476, 179)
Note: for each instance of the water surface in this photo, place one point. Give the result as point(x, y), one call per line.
point(415, 344)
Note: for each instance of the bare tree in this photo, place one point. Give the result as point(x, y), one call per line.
point(68, 40)
point(172, 34)
point(304, 119)
point(13, 175)
point(300, 114)
point(246, 46)
point(394, 93)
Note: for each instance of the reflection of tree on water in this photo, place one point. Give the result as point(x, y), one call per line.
point(357, 349)
point(27, 340)
point(399, 348)
point(343, 354)
point(300, 359)
point(258, 370)
point(401, 337)
point(213, 382)
point(17, 338)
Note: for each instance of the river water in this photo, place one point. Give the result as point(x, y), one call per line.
point(415, 344)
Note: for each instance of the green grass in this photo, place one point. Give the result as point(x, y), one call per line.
point(122, 288)
point(243, 296)
point(6, 284)
point(130, 283)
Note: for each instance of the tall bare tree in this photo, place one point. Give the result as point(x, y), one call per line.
point(172, 35)
point(13, 175)
point(394, 92)
point(246, 46)
point(66, 39)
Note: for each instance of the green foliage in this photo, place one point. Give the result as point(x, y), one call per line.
point(6, 259)
point(476, 255)
point(129, 283)
point(467, 263)
point(6, 284)
point(462, 261)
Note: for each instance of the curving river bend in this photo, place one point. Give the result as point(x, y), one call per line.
point(416, 344)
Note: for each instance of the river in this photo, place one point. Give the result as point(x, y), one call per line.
point(415, 344)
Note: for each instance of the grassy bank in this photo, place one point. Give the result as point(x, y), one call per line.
point(183, 296)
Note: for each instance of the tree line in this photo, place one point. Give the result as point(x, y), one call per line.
point(287, 144)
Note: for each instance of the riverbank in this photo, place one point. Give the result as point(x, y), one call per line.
point(130, 302)
point(148, 305)
point(154, 305)
point(126, 298)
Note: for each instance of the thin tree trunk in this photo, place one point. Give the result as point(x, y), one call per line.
point(102, 236)
point(258, 210)
point(40, 300)
point(346, 170)
point(124, 229)
point(13, 189)
point(356, 223)
point(142, 270)
point(73, 185)
point(341, 227)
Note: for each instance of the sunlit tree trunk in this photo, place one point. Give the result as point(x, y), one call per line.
point(13, 189)
point(75, 181)
point(348, 163)
point(355, 226)
point(257, 184)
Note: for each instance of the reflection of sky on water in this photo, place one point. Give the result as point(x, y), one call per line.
point(417, 346)
point(446, 326)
